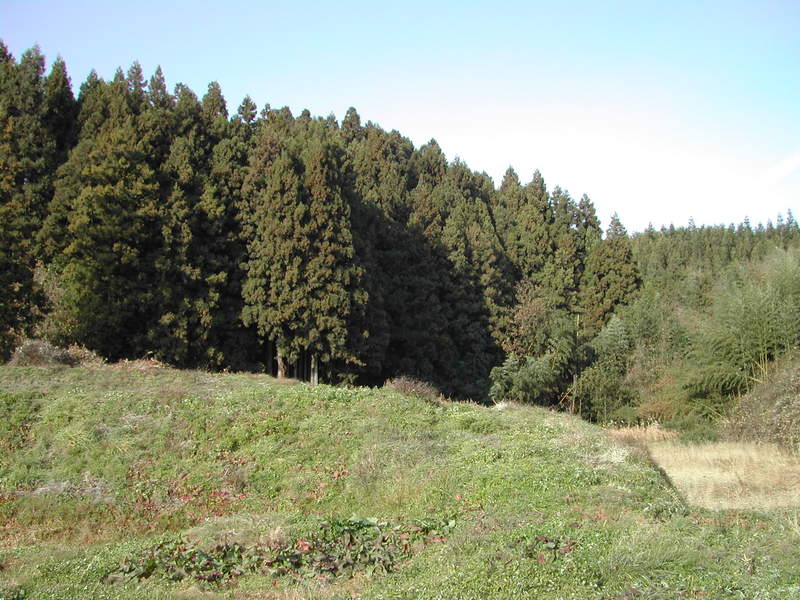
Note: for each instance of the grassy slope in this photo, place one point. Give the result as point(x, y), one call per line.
point(110, 460)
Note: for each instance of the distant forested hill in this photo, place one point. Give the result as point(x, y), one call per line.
point(139, 221)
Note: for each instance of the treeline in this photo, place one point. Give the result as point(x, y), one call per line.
point(142, 222)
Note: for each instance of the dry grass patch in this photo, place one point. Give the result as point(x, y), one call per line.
point(731, 475)
point(140, 365)
point(641, 434)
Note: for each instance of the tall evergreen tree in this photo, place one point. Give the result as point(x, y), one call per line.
point(380, 162)
point(301, 283)
point(108, 195)
point(528, 238)
point(611, 277)
point(510, 201)
point(36, 115)
point(351, 126)
point(60, 112)
point(428, 206)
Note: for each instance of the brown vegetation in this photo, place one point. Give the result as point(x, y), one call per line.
point(771, 411)
point(730, 475)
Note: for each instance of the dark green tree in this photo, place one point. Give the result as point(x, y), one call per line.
point(428, 211)
point(107, 195)
point(510, 200)
point(36, 119)
point(527, 239)
point(301, 282)
point(610, 279)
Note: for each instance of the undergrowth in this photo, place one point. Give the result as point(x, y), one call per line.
point(770, 412)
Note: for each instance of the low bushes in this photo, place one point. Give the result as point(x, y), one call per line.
point(770, 412)
point(40, 353)
point(414, 387)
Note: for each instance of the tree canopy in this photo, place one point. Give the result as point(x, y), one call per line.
point(139, 221)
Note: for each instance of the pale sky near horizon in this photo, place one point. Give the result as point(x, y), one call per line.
point(659, 111)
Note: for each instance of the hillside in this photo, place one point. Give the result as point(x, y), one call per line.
point(449, 500)
point(771, 410)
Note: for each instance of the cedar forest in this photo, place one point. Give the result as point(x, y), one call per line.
point(138, 222)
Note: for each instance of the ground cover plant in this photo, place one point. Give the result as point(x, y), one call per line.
point(141, 483)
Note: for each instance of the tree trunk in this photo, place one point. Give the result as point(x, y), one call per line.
point(281, 366)
point(314, 370)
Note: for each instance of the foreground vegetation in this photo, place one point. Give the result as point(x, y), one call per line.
point(134, 481)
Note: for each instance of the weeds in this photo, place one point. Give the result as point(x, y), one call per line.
point(340, 549)
point(414, 387)
point(642, 434)
point(13, 592)
point(40, 353)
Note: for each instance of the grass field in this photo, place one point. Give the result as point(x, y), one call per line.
point(154, 483)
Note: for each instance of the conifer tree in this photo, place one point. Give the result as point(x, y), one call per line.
point(369, 323)
point(428, 210)
point(92, 105)
point(351, 126)
point(475, 303)
point(198, 302)
point(247, 110)
point(107, 195)
point(611, 277)
point(36, 114)
point(561, 271)
point(475, 250)
point(510, 201)
point(528, 239)
point(588, 226)
point(60, 112)
point(92, 112)
point(380, 163)
point(301, 282)
point(372, 231)
point(176, 332)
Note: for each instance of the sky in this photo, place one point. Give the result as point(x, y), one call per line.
point(659, 111)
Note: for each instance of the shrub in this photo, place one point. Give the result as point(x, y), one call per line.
point(535, 380)
point(770, 412)
point(755, 320)
point(84, 357)
point(38, 353)
point(693, 428)
point(414, 387)
point(8, 341)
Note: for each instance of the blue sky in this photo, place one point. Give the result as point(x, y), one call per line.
point(660, 111)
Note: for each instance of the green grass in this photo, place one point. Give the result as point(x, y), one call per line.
point(98, 465)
